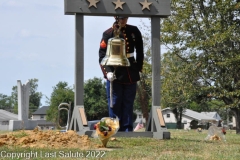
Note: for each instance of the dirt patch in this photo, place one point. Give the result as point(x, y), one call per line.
point(47, 139)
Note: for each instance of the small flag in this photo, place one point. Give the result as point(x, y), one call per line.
point(139, 125)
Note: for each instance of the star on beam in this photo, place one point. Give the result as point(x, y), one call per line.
point(93, 3)
point(118, 4)
point(145, 4)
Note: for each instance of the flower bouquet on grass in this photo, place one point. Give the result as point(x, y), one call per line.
point(216, 133)
point(106, 128)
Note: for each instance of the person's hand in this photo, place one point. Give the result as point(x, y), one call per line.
point(116, 26)
point(110, 76)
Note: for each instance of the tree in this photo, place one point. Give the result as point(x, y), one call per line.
point(62, 93)
point(95, 99)
point(144, 91)
point(34, 97)
point(205, 35)
point(175, 89)
point(6, 103)
point(14, 96)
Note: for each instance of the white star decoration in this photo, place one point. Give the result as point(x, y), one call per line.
point(93, 3)
point(118, 4)
point(145, 4)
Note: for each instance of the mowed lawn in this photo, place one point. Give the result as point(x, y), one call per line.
point(183, 145)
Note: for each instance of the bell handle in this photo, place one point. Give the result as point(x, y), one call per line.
point(117, 30)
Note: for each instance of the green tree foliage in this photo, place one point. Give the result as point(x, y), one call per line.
point(204, 34)
point(6, 103)
point(62, 93)
point(143, 96)
point(34, 97)
point(176, 89)
point(14, 96)
point(95, 99)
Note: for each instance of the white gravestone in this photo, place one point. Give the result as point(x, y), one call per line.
point(23, 110)
point(23, 101)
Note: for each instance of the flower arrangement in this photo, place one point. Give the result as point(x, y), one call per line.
point(106, 128)
point(103, 127)
point(216, 133)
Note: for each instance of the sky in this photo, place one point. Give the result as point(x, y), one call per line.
point(38, 41)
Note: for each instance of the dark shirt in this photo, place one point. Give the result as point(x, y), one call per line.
point(133, 42)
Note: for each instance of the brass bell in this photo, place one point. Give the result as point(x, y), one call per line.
point(116, 55)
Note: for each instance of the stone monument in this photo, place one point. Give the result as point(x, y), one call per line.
point(23, 122)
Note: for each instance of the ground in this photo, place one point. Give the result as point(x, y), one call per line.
point(49, 138)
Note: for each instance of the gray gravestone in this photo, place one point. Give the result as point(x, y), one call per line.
point(23, 100)
point(23, 110)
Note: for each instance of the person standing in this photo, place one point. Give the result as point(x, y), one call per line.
point(125, 78)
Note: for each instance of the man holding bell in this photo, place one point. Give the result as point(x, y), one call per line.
point(123, 79)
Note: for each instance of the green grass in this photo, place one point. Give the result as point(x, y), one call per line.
point(20, 134)
point(183, 145)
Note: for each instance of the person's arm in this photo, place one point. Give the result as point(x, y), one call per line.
point(102, 51)
point(139, 49)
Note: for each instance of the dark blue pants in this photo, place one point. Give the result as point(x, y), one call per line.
point(123, 96)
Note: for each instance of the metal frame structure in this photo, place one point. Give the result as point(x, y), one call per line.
point(154, 9)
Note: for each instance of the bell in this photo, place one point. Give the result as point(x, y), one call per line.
point(116, 55)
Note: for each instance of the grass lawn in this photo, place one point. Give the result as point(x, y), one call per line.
point(183, 145)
